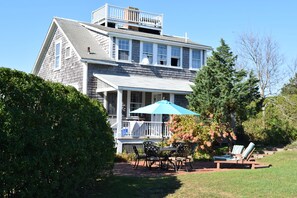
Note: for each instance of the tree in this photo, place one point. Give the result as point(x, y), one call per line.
point(280, 121)
point(261, 54)
point(221, 90)
point(291, 87)
point(54, 141)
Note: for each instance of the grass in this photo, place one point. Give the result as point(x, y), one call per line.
point(278, 181)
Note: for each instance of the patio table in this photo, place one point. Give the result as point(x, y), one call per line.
point(166, 153)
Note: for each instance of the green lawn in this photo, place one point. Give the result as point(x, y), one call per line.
point(278, 181)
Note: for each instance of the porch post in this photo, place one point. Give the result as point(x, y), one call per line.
point(171, 97)
point(105, 100)
point(128, 103)
point(119, 118)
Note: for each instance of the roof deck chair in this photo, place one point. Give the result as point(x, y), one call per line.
point(243, 159)
point(236, 151)
point(138, 157)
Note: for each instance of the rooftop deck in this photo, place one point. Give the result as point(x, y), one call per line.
point(131, 16)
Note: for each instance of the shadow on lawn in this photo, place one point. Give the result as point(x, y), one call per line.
point(123, 186)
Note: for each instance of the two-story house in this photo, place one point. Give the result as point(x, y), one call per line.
point(123, 59)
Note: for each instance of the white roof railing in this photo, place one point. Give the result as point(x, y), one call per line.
point(130, 15)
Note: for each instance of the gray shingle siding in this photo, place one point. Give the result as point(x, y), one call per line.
point(136, 69)
point(71, 71)
point(102, 40)
point(92, 84)
point(186, 58)
point(113, 47)
point(135, 51)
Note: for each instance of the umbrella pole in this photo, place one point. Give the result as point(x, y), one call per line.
point(162, 131)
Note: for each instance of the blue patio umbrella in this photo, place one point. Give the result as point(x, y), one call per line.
point(164, 107)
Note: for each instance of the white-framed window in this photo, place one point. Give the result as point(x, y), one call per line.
point(175, 56)
point(58, 47)
point(136, 100)
point(195, 59)
point(67, 52)
point(147, 53)
point(124, 49)
point(162, 54)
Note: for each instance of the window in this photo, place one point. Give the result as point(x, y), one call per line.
point(136, 100)
point(196, 59)
point(124, 49)
point(175, 56)
point(147, 53)
point(67, 52)
point(181, 100)
point(112, 103)
point(57, 64)
point(162, 55)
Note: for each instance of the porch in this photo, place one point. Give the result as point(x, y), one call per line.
point(121, 95)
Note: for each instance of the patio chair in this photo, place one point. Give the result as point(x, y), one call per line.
point(183, 156)
point(152, 155)
point(138, 157)
point(243, 159)
point(236, 151)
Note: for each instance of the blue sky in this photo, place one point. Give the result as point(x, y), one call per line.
point(24, 24)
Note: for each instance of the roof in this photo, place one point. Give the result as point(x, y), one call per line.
point(147, 35)
point(81, 39)
point(79, 36)
point(145, 83)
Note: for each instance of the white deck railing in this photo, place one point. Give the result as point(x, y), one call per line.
point(144, 129)
point(127, 15)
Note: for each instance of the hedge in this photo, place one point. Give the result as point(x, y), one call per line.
point(54, 141)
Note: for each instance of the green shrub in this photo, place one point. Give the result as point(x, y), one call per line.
point(124, 157)
point(54, 141)
point(277, 124)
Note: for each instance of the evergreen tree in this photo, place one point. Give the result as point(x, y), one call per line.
point(291, 87)
point(221, 90)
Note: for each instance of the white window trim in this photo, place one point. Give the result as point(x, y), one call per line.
point(70, 50)
point(60, 58)
point(180, 56)
point(168, 55)
point(117, 51)
point(155, 55)
point(141, 104)
point(141, 52)
point(167, 58)
point(191, 59)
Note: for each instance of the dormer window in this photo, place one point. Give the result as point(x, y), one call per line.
point(162, 55)
point(147, 53)
point(175, 56)
point(123, 49)
point(57, 64)
point(196, 59)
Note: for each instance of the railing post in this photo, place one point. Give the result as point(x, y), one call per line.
point(106, 14)
point(161, 24)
